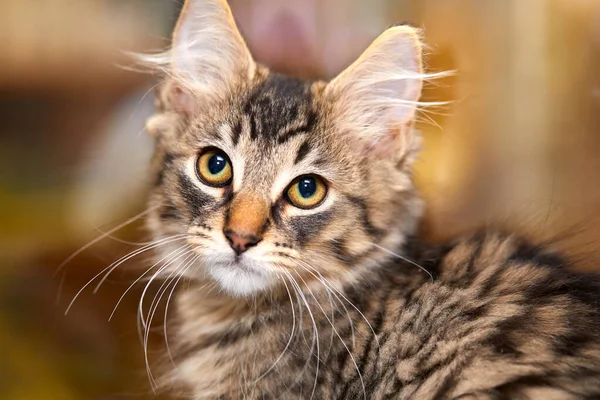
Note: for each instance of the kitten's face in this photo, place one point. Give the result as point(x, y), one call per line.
point(271, 179)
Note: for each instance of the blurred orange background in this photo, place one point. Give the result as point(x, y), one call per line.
point(518, 145)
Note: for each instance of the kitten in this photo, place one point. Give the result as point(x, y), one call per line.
point(289, 206)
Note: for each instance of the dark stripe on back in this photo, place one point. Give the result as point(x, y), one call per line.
point(428, 256)
point(529, 253)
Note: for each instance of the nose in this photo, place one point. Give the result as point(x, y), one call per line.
point(240, 242)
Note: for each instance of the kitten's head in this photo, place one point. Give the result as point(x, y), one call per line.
point(267, 178)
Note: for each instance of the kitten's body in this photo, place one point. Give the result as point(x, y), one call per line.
point(500, 320)
point(326, 299)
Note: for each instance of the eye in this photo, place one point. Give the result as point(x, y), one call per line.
point(307, 191)
point(214, 168)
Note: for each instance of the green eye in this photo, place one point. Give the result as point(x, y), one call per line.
point(214, 168)
point(307, 191)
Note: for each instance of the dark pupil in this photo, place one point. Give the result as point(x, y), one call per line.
point(216, 164)
point(307, 187)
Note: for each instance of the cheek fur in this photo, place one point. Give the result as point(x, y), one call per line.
point(184, 202)
point(195, 199)
point(307, 227)
point(341, 236)
point(168, 212)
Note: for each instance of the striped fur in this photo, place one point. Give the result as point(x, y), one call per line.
point(500, 320)
point(337, 302)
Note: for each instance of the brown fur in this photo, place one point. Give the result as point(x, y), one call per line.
point(248, 215)
point(337, 302)
point(502, 319)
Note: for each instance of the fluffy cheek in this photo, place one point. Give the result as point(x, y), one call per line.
point(328, 243)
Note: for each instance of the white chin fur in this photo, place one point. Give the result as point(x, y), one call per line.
point(239, 281)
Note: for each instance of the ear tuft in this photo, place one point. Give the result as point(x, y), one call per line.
point(379, 93)
point(404, 23)
point(207, 57)
point(208, 48)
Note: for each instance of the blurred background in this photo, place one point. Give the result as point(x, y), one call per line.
point(517, 146)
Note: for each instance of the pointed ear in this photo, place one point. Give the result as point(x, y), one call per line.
point(377, 96)
point(208, 52)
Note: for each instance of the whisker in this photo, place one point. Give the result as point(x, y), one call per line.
point(317, 373)
point(96, 276)
point(291, 334)
point(104, 235)
point(136, 253)
point(339, 337)
point(329, 293)
point(332, 287)
point(168, 260)
point(181, 275)
point(152, 311)
point(152, 278)
point(315, 331)
point(405, 259)
point(141, 276)
point(123, 241)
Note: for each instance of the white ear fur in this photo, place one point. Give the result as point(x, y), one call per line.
point(208, 49)
point(377, 96)
point(208, 53)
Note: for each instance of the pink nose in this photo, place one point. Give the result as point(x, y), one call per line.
point(240, 242)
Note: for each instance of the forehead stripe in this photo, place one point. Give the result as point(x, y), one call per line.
point(311, 120)
point(302, 152)
point(236, 131)
point(279, 108)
